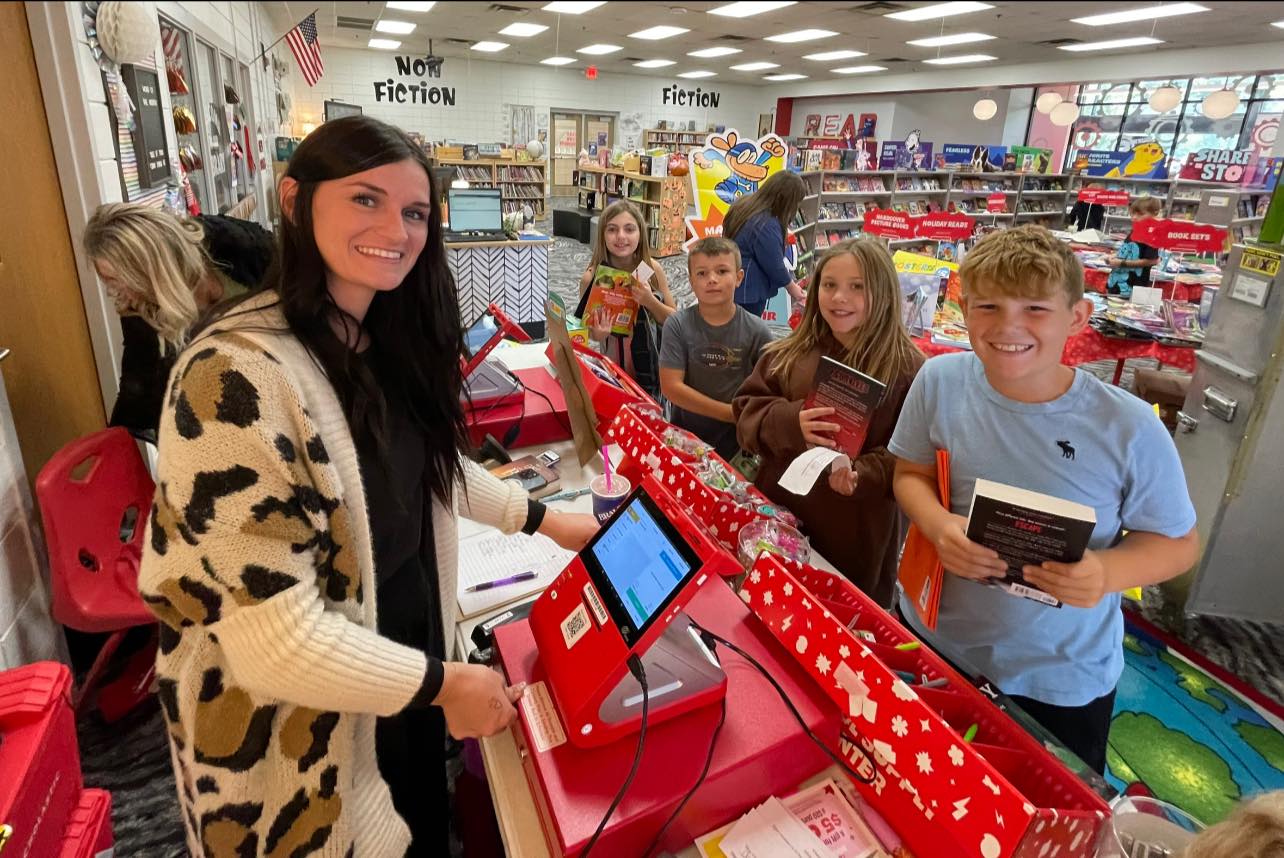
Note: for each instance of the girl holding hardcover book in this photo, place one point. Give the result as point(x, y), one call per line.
point(853, 316)
point(622, 245)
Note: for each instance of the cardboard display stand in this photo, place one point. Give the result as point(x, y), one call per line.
point(999, 795)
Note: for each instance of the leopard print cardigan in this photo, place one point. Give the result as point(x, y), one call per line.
point(259, 566)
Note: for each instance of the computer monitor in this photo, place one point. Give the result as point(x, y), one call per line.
point(475, 210)
point(639, 562)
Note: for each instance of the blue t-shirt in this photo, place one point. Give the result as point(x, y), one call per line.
point(1097, 445)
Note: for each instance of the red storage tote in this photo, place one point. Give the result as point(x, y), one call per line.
point(1002, 795)
point(608, 397)
point(38, 758)
point(89, 834)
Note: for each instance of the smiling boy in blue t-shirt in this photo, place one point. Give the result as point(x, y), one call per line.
point(1011, 412)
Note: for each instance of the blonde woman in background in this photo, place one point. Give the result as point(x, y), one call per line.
point(162, 272)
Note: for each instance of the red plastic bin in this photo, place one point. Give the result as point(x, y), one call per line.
point(1000, 795)
point(39, 760)
point(89, 834)
point(607, 398)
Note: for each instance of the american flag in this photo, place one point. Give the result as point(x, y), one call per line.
point(171, 41)
point(307, 51)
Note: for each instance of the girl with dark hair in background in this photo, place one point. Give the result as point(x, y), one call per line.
point(302, 547)
point(758, 225)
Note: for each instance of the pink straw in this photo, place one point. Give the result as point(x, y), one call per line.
point(606, 462)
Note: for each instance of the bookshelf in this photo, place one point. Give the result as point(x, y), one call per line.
point(672, 140)
point(662, 200)
point(520, 182)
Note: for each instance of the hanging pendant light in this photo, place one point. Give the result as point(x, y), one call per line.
point(985, 108)
point(1220, 104)
point(1047, 101)
point(1064, 114)
point(1164, 99)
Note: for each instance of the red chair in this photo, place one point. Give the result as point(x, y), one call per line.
point(95, 495)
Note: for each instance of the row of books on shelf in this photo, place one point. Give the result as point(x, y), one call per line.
point(473, 174)
point(521, 174)
point(915, 183)
point(971, 206)
point(1248, 207)
point(1032, 184)
point(1042, 206)
point(826, 238)
point(510, 206)
point(850, 184)
point(986, 185)
point(524, 192)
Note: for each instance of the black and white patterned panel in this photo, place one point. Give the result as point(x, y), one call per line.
point(515, 278)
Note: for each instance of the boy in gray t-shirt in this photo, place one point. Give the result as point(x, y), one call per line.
point(708, 350)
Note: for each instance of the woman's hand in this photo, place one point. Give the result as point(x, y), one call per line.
point(795, 291)
point(475, 700)
point(599, 324)
point(963, 557)
point(811, 424)
point(571, 530)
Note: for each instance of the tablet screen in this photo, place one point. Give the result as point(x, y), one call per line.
point(479, 333)
point(644, 562)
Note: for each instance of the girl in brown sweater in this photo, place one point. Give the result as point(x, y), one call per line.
point(853, 314)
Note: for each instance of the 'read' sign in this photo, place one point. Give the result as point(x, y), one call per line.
point(1103, 197)
point(943, 226)
point(1181, 236)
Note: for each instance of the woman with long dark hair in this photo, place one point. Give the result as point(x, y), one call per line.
point(758, 225)
point(302, 545)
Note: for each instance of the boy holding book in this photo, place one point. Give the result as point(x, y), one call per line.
point(1010, 412)
point(709, 349)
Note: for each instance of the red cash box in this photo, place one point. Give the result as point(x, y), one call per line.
point(40, 762)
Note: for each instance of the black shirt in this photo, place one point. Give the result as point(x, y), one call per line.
point(400, 512)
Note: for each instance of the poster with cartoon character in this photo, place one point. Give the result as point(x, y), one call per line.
point(726, 169)
point(1146, 160)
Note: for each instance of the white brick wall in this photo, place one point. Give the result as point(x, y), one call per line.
point(483, 89)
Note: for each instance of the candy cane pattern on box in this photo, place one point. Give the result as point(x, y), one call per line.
point(944, 796)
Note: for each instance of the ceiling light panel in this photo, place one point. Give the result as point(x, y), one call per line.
point(755, 66)
point(779, 77)
point(748, 8)
point(406, 6)
point(801, 36)
point(937, 10)
point(827, 56)
point(1143, 13)
point(1112, 44)
point(662, 31)
point(708, 53)
point(573, 7)
point(383, 44)
point(960, 59)
point(697, 74)
point(523, 29)
point(653, 64)
point(401, 28)
point(955, 39)
point(859, 69)
point(557, 61)
point(598, 50)
point(489, 47)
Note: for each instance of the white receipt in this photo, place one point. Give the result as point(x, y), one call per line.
point(771, 831)
point(643, 273)
point(801, 475)
point(541, 717)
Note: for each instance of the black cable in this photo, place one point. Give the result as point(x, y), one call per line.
point(635, 667)
point(708, 760)
point(556, 415)
point(707, 635)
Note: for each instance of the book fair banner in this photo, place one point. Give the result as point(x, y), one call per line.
point(1181, 236)
point(725, 169)
point(943, 226)
point(1103, 197)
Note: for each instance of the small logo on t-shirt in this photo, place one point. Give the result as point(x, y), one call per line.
point(719, 356)
point(1067, 452)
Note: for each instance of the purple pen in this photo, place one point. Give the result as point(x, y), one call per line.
point(511, 579)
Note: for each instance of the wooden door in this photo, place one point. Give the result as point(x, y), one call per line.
point(565, 148)
point(51, 376)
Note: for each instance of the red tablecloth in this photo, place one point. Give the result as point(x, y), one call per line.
point(1095, 281)
point(1089, 346)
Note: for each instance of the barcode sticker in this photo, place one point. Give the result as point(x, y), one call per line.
point(576, 625)
point(595, 604)
point(541, 717)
